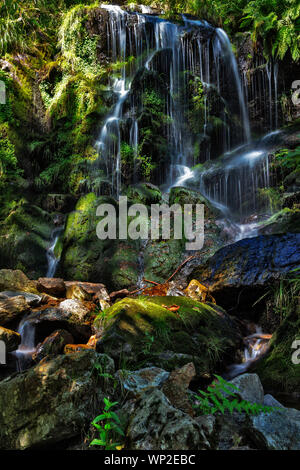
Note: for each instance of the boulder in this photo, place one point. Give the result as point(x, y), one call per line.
point(240, 273)
point(96, 290)
point(24, 239)
point(52, 286)
point(250, 388)
point(10, 338)
point(278, 430)
point(16, 280)
point(156, 425)
point(279, 370)
point(142, 330)
point(32, 300)
point(12, 308)
point(52, 345)
point(76, 292)
point(286, 220)
point(176, 387)
point(75, 348)
point(77, 311)
point(141, 380)
point(51, 319)
point(51, 402)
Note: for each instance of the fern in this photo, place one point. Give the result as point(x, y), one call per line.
point(222, 396)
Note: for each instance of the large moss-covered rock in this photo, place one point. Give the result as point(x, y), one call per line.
point(51, 402)
point(87, 258)
point(16, 280)
point(144, 193)
point(138, 331)
point(277, 370)
point(242, 271)
point(180, 195)
point(161, 258)
point(286, 220)
point(24, 239)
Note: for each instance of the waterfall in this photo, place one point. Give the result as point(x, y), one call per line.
point(27, 347)
point(51, 258)
point(256, 345)
point(226, 50)
point(194, 47)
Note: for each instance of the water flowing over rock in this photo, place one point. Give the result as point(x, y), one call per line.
point(192, 51)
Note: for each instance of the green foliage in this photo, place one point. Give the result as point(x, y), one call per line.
point(8, 161)
point(108, 428)
point(222, 396)
point(289, 159)
point(277, 23)
point(146, 166)
point(285, 295)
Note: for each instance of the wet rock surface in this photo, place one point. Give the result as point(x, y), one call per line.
point(241, 271)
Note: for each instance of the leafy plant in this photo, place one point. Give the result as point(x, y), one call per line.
point(222, 396)
point(108, 426)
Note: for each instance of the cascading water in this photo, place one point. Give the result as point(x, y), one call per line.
point(256, 346)
point(27, 347)
point(194, 47)
point(191, 50)
point(51, 258)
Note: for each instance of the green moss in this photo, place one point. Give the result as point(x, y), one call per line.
point(284, 221)
point(24, 238)
point(277, 371)
point(196, 330)
point(144, 193)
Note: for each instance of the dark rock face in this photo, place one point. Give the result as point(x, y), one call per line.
point(51, 402)
point(240, 271)
point(156, 425)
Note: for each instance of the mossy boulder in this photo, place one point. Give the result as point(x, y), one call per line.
point(16, 280)
point(277, 370)
point(181, 196)
point(24, 238)
point(286, 220)
point(144, 193)
point(87, 258)
point(138, 331)
point(161, 258)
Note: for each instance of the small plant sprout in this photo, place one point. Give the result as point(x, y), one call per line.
point(108, 427)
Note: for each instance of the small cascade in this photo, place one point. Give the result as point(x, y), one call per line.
point(141, 264)
point(51, 258)
point(184, 173)
point(263, 93)
point(256, 345)
point(233, 187)
point(226, 51)
point(27, 347)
